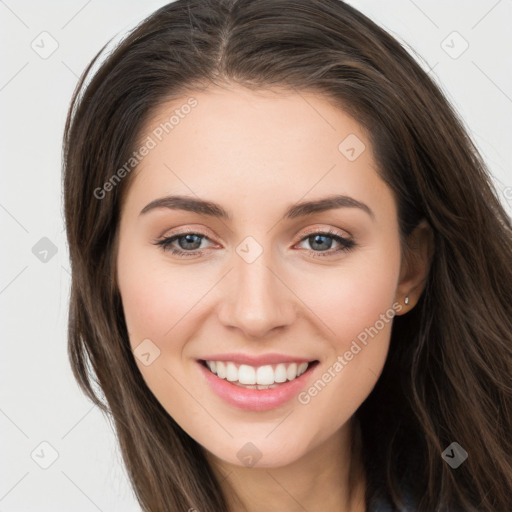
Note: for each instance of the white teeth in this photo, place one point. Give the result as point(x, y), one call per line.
point(301, 369)
point(221, 369)
point(262, 377)
point(231, 372)
point(291, 371)
point(246, 374)
point(265, 375)
point(281, 375)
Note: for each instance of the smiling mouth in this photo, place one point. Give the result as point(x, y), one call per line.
point(268, 376)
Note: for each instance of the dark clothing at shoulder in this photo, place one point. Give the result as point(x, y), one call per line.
point(383, 505)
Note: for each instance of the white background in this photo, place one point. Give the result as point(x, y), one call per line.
point(39, 400)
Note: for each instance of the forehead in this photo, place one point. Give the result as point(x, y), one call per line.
point(252, 146)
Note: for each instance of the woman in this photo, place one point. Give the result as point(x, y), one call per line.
point(338, 335)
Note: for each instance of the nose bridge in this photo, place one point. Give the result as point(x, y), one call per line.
point(258, 299)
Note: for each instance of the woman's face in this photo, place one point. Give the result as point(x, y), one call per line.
point(263, 291)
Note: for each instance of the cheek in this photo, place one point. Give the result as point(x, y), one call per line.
point(356, 314)
point(358, 306)
point(156, 297)
point(159, 303)
point(354, 305)
point(352, 298)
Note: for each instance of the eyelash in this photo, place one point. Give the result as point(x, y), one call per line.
point(346, 245)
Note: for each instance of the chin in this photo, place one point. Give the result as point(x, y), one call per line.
point(263, 452)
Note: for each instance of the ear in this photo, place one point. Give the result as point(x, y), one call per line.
point(415, 266)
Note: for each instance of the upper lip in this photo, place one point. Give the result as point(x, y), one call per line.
point(259, 360)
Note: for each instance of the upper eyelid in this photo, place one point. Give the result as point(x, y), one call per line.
point(342, 233)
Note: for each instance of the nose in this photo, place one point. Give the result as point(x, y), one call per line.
point(256, 299)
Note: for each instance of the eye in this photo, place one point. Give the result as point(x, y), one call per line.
point(189, 243)
point(321, 243)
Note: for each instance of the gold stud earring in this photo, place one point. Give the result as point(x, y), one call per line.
point(406, 300)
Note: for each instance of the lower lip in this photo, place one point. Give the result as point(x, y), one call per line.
point(256, 399)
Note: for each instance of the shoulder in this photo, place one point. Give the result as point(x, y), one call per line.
point(384, 505)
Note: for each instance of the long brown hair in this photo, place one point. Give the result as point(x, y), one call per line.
point(448, 373)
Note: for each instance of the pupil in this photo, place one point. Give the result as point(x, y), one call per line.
point(189, 240)
point(322, 245)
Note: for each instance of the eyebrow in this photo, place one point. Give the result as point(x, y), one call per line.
point(212, 209)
